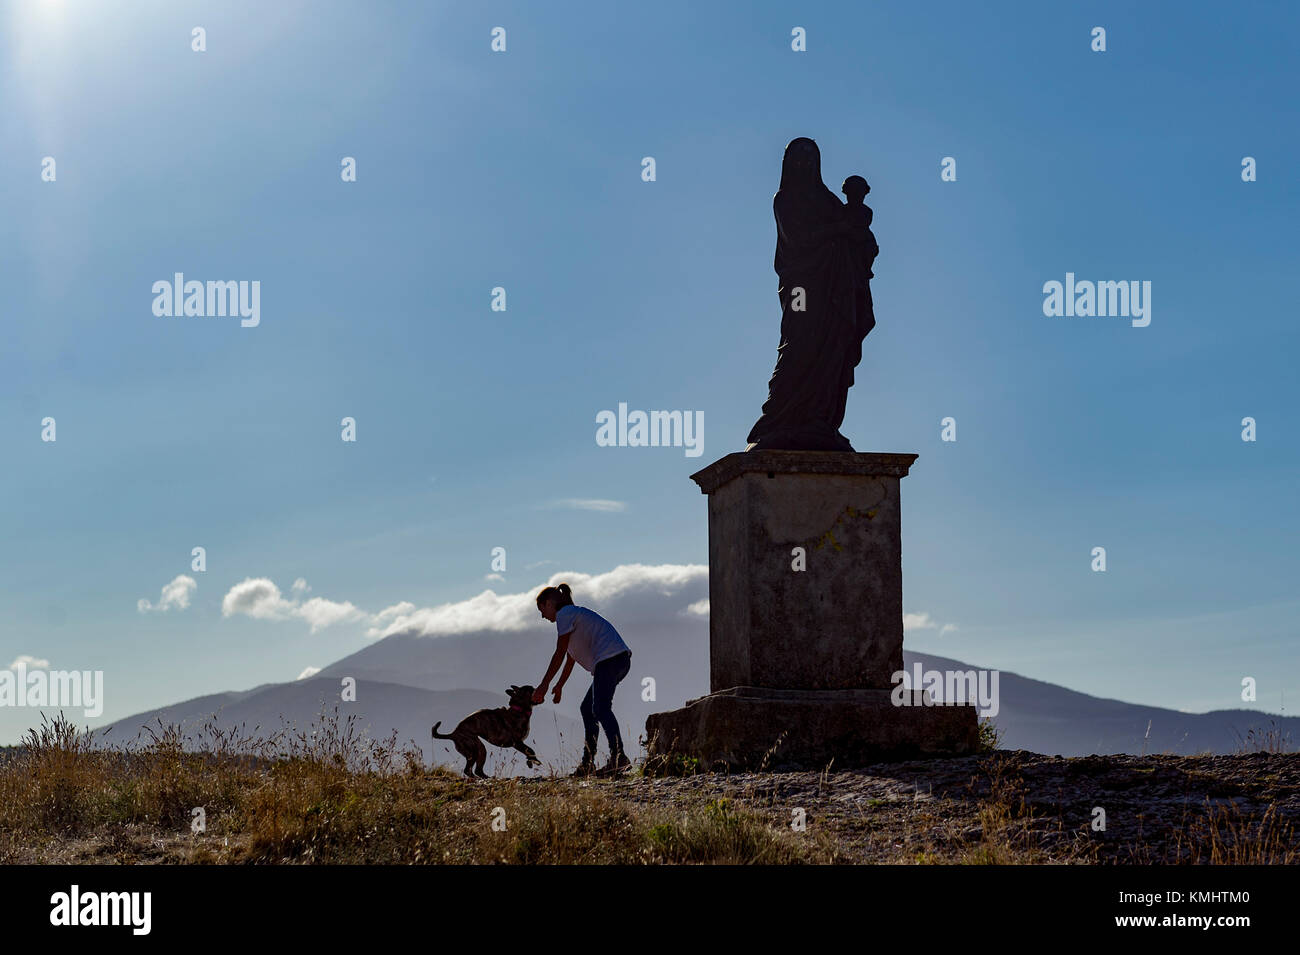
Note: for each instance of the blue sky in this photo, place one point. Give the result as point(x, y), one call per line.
point(523, 170)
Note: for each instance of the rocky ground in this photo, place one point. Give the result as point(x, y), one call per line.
point(1026, 807)
point(1001, 807)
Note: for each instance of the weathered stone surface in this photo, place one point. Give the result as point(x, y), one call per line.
point(806, 620)
point(757, 727)
point(838, 624)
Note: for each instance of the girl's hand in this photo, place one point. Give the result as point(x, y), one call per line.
point(555, 695)
point(539, 696)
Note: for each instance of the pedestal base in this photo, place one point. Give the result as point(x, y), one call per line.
point(805, 569)
point(749, 728)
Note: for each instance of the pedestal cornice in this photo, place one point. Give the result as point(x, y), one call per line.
point(877, 463)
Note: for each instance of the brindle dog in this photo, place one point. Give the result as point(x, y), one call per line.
point(503, 726)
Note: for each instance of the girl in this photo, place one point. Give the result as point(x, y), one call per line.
point(586, 637)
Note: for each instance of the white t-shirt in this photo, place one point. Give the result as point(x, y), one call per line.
point(592, 638)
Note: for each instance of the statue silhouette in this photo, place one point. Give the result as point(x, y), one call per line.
point(824, 254)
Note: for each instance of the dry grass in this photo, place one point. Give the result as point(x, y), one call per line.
point(1224, 834)
point(327, 795)
point(1007, 830)
point(1259, 739)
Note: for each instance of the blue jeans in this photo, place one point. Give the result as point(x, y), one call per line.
point(597, 706)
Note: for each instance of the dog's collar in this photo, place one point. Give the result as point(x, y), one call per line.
point(516, 706)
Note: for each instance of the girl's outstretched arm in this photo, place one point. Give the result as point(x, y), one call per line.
point(561, 648)
point(564, 678)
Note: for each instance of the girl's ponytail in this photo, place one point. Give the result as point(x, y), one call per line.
point(560, 593)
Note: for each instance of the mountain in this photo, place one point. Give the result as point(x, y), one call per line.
point(379, 709)
point(1033, 715)
point(676, 658)
point(408, 682)
point(1046, 718)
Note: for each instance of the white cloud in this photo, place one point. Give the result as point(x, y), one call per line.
point(256, 597)
point(321, 613)
point(29, 662)
point(923, 621)
point(175, 595)
point(589, 504)
point(638, 591)
point(260, 598)
point(487, 611)
point(698, 609)
point(493, 577)
point(632, 592)
point(308, 672)
point(395, 610)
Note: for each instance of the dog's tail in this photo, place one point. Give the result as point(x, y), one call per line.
point(437, 735)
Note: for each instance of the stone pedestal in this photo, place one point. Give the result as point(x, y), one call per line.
point(806, 619)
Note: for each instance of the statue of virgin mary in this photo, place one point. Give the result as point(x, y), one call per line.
point(826, 309)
